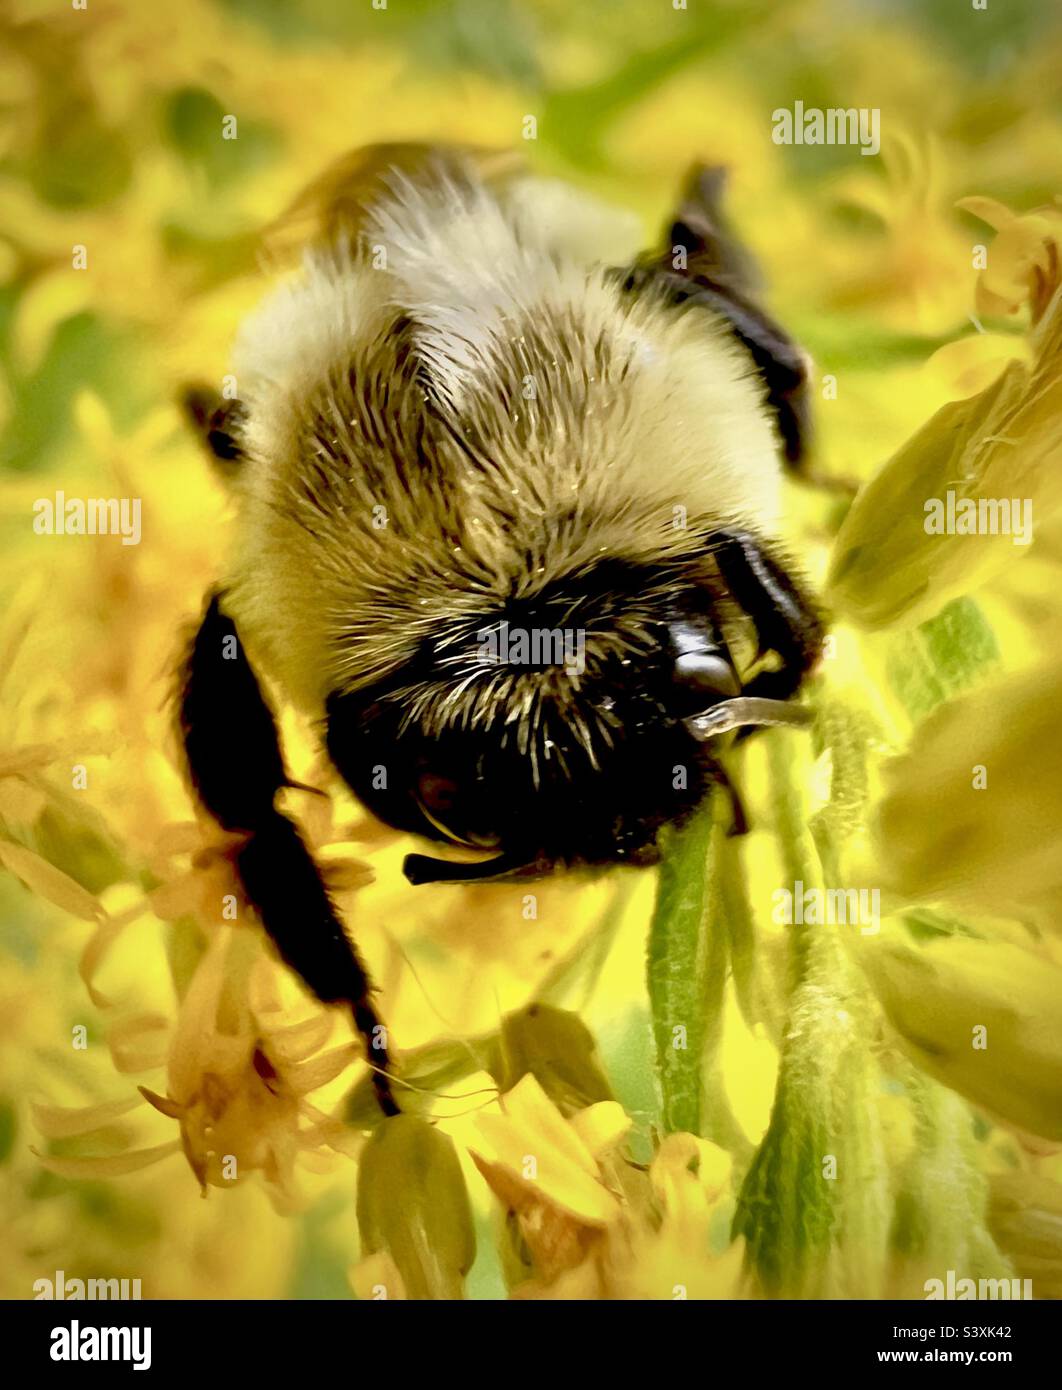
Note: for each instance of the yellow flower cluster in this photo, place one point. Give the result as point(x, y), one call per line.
point(859, 1110)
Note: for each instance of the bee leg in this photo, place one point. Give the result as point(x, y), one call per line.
point(701, 226)
point(234, 757)
point(722, 274)
point(785, 620)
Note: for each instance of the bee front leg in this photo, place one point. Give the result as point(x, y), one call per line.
point(785, 620)
point(237, 768)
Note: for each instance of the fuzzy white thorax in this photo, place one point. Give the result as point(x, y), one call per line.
point(604, 420)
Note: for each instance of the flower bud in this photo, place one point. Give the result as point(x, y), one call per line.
point(980, 1016)
point(413, 1206)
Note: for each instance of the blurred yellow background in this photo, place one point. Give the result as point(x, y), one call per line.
point(111, 138)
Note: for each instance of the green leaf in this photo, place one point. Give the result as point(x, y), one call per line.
point(813, 1207)
point(814, 1204)
point(85, 354)
point(194, 123)
point(941, 657)
point(677, 970)
point(79, 163)
point(939, 1221)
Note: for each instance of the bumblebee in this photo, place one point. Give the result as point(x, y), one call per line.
point(474, 409)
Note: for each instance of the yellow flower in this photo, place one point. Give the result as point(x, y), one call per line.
point(982, 1017)
point(1022, 266)
point(591, 1225)
point(669, 1251)
point(127, 160)
point(239, 1071)
point(1025, 1216)
point(539, 1164)
point(910, 274)
point(968, 814)
point(896, 559)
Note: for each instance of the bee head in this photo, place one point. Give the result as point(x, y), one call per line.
point(552, 729)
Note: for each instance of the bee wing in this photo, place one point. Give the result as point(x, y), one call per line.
point(331, 210)
point(705, 263)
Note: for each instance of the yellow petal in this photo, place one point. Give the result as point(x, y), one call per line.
point(1020, 250)
point(138, 1043)
point(34, 757)
point(179, 837)
point(602, 1126)
point(343, 875)
point(215, 1030)
point(971, 364)
point(50, 883)
point(531, 1151)
point(531, 1112)
point(96, 949)
point(685, 1156)
point(295, 1042)
point(980, 1016)
point(114, 1166)
point(309, 1076)
point(59, 1122)
point(163, 1104)
point(992, 849)
point(991, 305)
point(20, 803)
point(178, 898)
point(891, 561)
point(327, 1130)
point(994, 213)
point(43, 305)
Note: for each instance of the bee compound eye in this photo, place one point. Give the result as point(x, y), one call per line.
point(706, 673)
point(701, 663)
